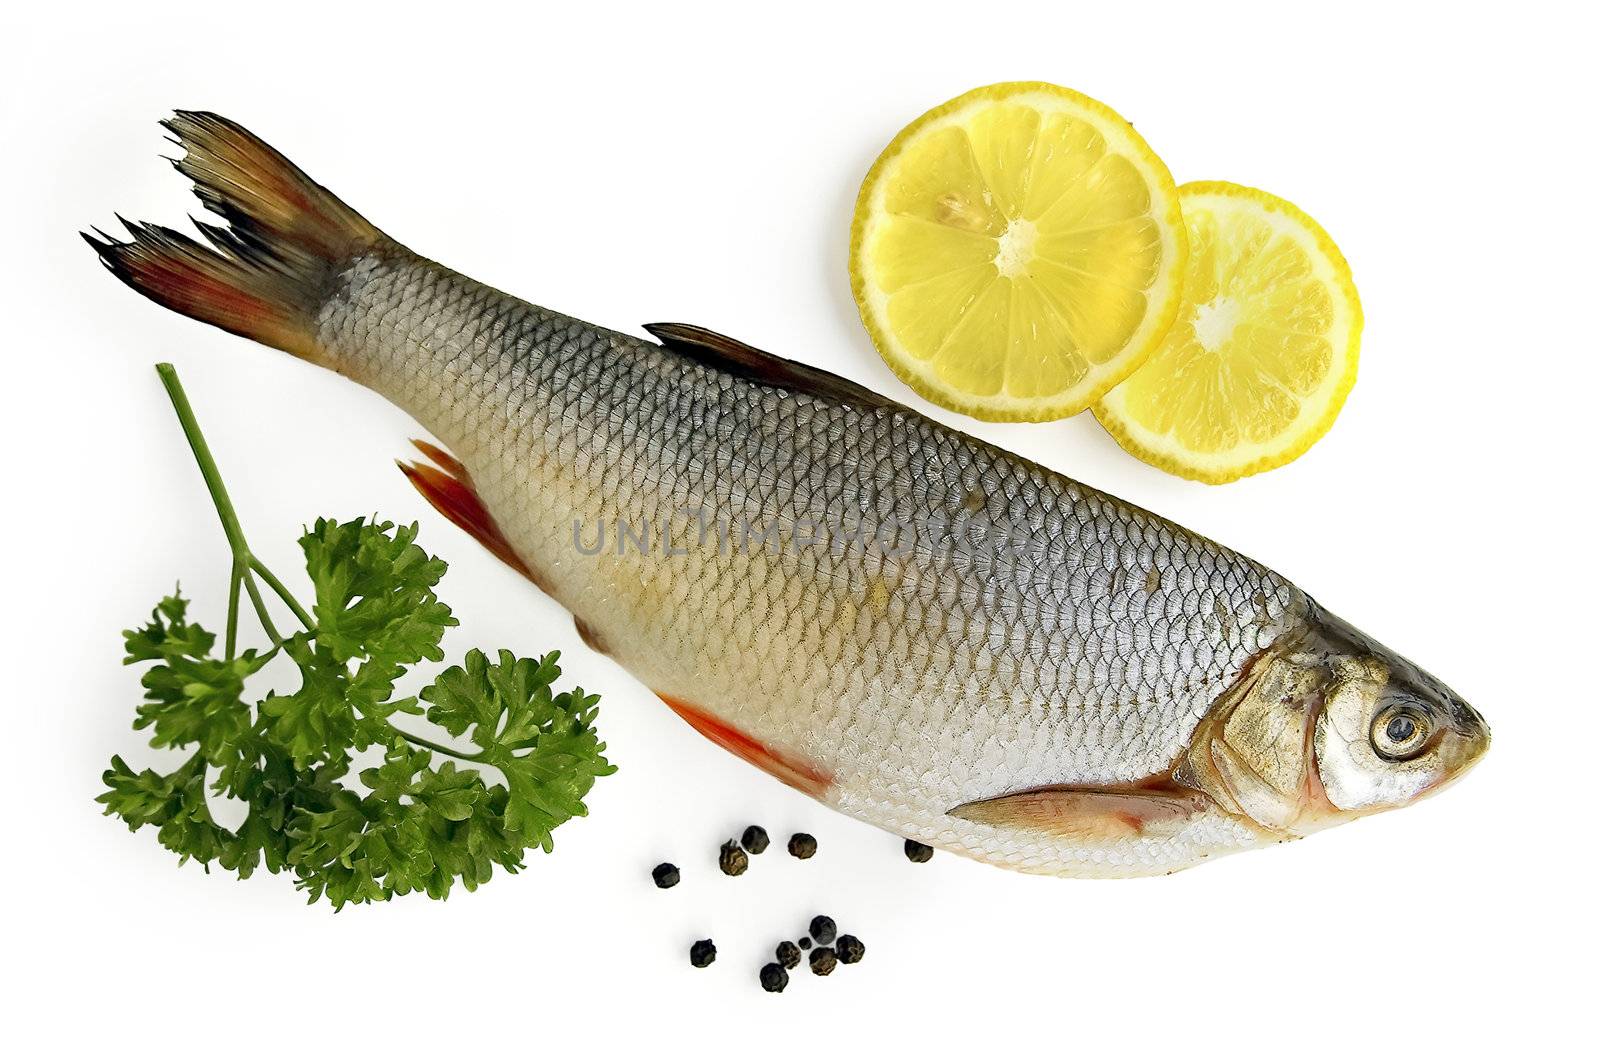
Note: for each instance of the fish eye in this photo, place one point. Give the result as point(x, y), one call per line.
point(1400, 732)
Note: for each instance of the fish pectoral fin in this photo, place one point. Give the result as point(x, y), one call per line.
point(763, 367)
point(449, 490)
point(1088, 815)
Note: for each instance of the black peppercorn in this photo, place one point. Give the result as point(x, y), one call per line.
point(774, 978)
point(918, 852)
point(755, 839)
point(788, 954)
point(665, 875)
point(802, 846)
point(823, 961)
point(805, 943)
point(733, 861)
point(823, 929)
point(702, 953)
point(850, 949)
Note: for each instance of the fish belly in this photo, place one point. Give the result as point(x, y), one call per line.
point(894, 616)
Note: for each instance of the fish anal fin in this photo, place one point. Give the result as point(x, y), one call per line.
point(449, 490)
point(796, 771)
point(591, 636)
point(763, 367)
point(1088, 815)
point(443, 459)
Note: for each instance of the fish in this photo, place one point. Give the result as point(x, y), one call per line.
point(910, 625)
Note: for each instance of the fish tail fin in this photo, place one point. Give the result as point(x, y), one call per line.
point(266, 273)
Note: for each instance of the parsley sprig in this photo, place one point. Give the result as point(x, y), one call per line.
point(425, 817)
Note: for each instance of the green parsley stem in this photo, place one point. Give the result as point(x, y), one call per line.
point(254, 591)
point(281, 591)
point(202, 455)
point(235, 578)
point(438, 748)
point(246, 566)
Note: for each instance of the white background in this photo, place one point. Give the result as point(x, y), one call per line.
point(700, 164)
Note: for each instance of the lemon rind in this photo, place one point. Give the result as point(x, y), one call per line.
point(1100, 379)
point(1160, 451)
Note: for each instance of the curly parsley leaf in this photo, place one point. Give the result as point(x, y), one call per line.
point(375, 596)
point(376, 613)
point(175, 803)
point(333, 712)
point(424, 827)
point(421, 820)
point(167, 634)
point(402, 836)
point(543, 743)
point(191, 698)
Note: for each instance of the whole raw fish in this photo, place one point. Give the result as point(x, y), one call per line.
point(911, 625)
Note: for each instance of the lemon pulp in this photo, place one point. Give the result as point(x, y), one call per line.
point(1264, 349)
point(1016, 252)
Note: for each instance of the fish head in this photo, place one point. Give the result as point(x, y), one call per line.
point(1389, 733)
point(1331, 727)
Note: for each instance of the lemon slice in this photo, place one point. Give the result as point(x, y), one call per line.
point(1016, 252)
point(1264, 350)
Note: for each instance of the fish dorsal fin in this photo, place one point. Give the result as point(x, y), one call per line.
point(1089, 816)
point(763, 367)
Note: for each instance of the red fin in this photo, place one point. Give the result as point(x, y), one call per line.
point(797, 772)
point(443, 459)
point(184, 275)
point(450, 491)
point(1089, 816)
point(263, 275)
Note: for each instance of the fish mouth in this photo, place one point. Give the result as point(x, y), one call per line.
point(1478, 745)
point(1470, 743)
point(1473, 728)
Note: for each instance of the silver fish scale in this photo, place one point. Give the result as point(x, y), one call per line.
point(957, 669)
